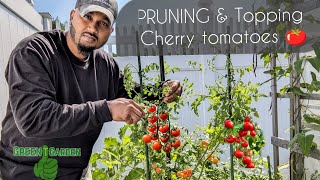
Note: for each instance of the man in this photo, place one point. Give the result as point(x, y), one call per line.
point(62, 89)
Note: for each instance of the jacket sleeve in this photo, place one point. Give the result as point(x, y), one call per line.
point(32, 98)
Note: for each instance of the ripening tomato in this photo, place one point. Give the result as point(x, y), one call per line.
point(146, 138)
point(251, 165)
point(215, 160)
point(187, 172)
point(164, 128)
point(153, 119)
point(247, 119)
point(164, 138)
point(152, 109)
point(156, 145)
point(204, 144)
point(152, 128)
point(246, 160)
point(176, 143)
point(163, 116)
point(245, 144)
point(228, 124)
point(238, 154)
point(175, 132)
point(248, 126)
point(180, 174)
point(154, 166)
point(253, 133)
point(158, 170)
point(296, 37)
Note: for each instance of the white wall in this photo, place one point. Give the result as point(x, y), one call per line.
point(12, 30)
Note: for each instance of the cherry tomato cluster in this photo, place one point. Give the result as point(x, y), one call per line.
point(156, 168)
point(185, 174)
point(240, 140)
point(214, 160)
point(160, 134)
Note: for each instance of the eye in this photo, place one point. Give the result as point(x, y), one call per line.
point(105, 24)
point(87, 16)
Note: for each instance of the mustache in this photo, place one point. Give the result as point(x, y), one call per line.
point(91, 34)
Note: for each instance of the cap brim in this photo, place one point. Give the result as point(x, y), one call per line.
point(95, 8)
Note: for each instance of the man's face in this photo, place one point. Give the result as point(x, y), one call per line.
point(91, 31)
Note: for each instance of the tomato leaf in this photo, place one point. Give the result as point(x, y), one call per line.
point(312, 118)
point(298, 65)
point(296, 90)
point(316, 48)
point(315, 62)
point(135, 173)
point(305, 143)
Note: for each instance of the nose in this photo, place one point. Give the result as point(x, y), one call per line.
point(93, 27)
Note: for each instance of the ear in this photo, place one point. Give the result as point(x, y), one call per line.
point(72, 14)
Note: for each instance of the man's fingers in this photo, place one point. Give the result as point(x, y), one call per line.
point(174, 86)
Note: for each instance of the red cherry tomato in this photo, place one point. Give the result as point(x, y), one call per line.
point(164, 128)
point(238, 154)
point(176, 143)
point(154, 136)
point(152, 127)
point(167, 147)
point(175, 132)
point(296, 37)
point(228, 124)
point(243, 133)
point(163, 116)
point(146, 138)
point(245, 144)
point(246, 160)
point(164, 138)
point(251, 165)
point(153, 119)
point(156, 146)
point(253, 133)
point(152, 109)
point(230, 139)
point(248, 126)
point(247, 119)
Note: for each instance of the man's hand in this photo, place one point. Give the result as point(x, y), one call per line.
point(175, 89)
point(125, 110)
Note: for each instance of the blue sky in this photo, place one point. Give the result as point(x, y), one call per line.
point(61, 8)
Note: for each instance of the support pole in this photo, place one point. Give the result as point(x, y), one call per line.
point(148, 173)
point(274, 113)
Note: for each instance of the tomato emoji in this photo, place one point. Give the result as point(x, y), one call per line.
point(228, 124)
point(146, 138)
point(153, 119)
point(296, 37)
point(246, 160)
point(152, 109)
point(163, 116)
point(156, 145)
point(238, 154)
point(164, 128)
point(175, 132)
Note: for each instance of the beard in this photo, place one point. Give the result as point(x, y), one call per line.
point(83, 49)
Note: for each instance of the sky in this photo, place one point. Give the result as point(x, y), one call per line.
point(62, 8)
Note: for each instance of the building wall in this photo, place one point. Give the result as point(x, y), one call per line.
point(16, 22)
